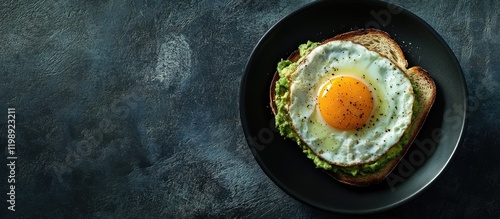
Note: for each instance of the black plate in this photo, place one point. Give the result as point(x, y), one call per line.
point(284, 162)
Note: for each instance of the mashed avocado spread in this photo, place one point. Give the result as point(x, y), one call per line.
point(284, 125)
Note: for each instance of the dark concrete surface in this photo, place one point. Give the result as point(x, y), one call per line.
point(129, 109)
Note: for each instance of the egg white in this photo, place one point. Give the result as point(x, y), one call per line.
point(393, 101)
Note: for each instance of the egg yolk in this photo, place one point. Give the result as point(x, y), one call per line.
point(345, 103)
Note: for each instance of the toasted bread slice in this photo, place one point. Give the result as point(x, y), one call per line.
point(381, 42)
point(378, 41)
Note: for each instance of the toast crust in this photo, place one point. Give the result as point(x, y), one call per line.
point(380, 42)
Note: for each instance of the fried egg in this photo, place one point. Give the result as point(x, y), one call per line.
point(350, 105)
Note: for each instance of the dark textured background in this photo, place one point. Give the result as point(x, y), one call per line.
point(130, 109)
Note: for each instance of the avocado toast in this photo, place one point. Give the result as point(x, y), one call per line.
point(380, 42)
